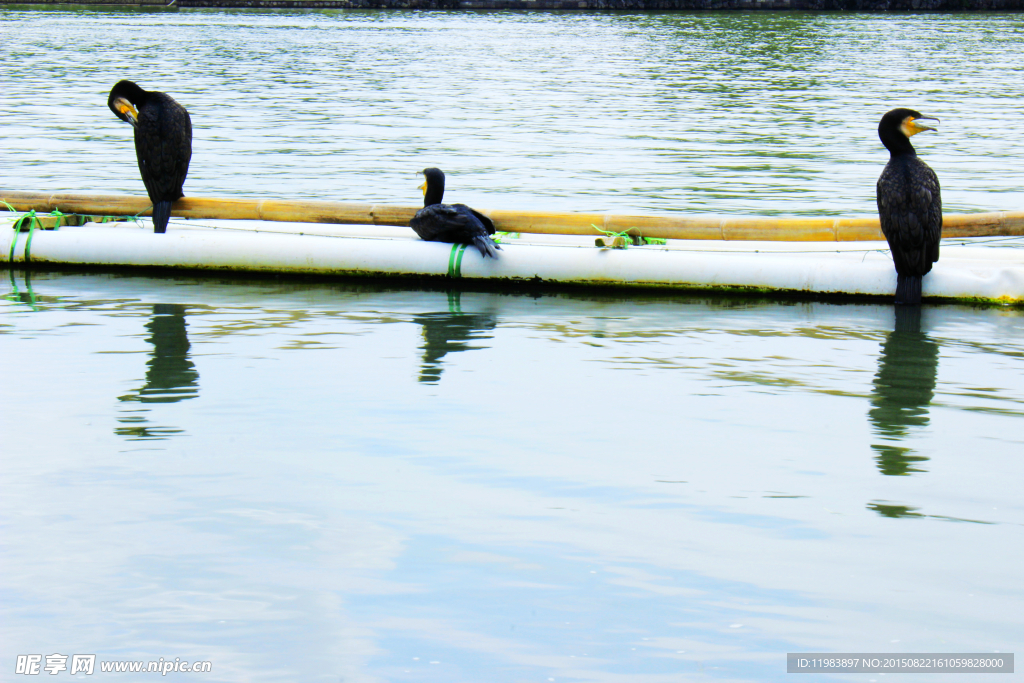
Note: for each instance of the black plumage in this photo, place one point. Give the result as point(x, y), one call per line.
point(163, 143)
point(909, 204)
point(454, 223)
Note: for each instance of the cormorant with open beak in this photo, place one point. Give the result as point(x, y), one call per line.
point(909, 204)
point(163, 143)
point(455, 223)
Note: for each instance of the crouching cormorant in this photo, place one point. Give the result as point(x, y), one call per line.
point(456, 223)
point(909, 204)
point(163, 143)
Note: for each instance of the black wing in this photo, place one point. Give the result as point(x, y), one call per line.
point(445, 223)
point(454, 223)
point(910, 211)
point(163, 145)
point(488, 225)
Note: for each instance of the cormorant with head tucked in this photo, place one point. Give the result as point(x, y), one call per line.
point(455, 223)
point(163, 143)
point(909, 204)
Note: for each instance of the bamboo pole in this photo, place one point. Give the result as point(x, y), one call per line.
point(1004, 223)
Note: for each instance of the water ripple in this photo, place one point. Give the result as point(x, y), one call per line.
point(763, 114)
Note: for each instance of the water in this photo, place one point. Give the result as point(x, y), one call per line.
point(707, 113)
point(306, 481)
point(349, 482)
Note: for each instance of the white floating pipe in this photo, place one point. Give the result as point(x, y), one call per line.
point(963, 273)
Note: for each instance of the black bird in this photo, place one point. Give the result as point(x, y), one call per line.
point(909, 204)
point(163, 143)
point(456, 223)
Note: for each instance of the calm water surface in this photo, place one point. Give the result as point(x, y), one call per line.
point(350, 482)
point(713, 113)
point(347, 482)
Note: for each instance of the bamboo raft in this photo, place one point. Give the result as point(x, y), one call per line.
point(846, 256)
point(661, 227)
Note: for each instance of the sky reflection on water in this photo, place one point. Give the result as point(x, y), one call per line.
point(354, 482)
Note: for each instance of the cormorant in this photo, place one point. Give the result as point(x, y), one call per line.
point(909, 204)
point(456, 223)
point(163, 143)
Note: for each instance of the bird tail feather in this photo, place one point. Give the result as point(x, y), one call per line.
point(161, 214)
point(486, 246)
point(908, 289)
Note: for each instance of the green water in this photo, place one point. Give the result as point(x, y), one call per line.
point(706, 113)
point(315, 481)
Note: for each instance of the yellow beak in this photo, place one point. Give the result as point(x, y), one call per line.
point(125, 107)
point(912, 127)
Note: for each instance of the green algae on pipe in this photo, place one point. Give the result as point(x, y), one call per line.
point(973, 272)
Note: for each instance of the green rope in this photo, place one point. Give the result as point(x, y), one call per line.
point(630, 239)
point(14, 242)
point(501, 234)
point(17, 233)
point(61, 219)
point(609, 233)
point(455, 260)
point(137, 218)
point(458, 264)
point(451, 260)
point(31, 232)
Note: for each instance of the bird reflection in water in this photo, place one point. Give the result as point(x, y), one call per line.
point(903, 389)
point(449, 332)
point(171, 375)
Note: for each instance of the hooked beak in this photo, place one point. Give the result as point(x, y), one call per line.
point(912, 127)
point(127, 110)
